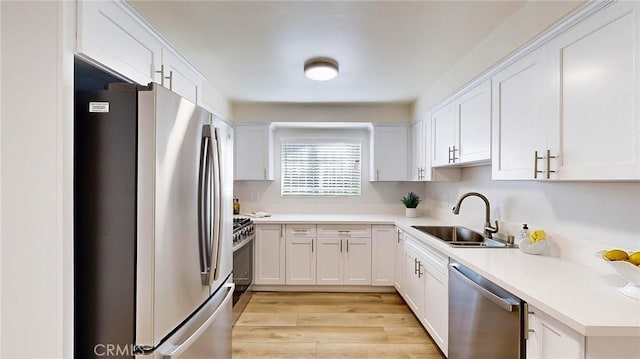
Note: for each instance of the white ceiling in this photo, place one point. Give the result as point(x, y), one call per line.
point(389, 51)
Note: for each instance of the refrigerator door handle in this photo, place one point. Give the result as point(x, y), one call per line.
point(204, 205)
point(177, 350)
point(217, 207)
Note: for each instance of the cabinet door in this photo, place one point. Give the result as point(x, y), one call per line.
point(390, 153)
point(110, 34)
point(398, 272)
point(301, 261)
point(383, 242)
point(269, 255)
point(518, 117)
point(473, 124)
point(253, 153)
point(418, 163)
point(595, 94)
point(443, 136)
point(357, 261)
point(179, 77)
point(436, 306)
point(329, 261)
point(413, 282)
point(548, 338)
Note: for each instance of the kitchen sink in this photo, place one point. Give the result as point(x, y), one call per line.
point(457, 236)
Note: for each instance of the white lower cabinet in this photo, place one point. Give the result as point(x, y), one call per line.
point(426, 289)
point(549, 339)
point(436, 306)
point(383, 242)
point(269, 254)
point(329, 261)
point(301, 261)
point(344, 255)
point(300, 254)
point(413, 280)
point(357, 261)
point(344, 261)
point(398, 263)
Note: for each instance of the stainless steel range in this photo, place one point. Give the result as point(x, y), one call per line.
point(243, 234)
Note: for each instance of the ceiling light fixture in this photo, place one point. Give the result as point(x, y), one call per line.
point(321, 69)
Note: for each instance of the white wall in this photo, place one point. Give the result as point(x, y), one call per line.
point(376, 197)
point(581, 218)
point(36, 157)
point(376, 113)
point(523, 25)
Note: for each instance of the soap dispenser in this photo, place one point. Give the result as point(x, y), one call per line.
point(524, 232)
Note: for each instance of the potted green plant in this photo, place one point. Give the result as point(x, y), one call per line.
point(411, 202)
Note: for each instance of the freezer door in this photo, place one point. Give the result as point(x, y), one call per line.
point(207, 334)
point(169, 255)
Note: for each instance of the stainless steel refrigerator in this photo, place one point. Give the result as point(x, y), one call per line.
point(152, 226)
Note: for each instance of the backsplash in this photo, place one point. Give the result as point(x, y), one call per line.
point(580, 218)
point(376, 198)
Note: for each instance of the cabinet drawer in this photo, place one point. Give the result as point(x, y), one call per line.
point(344, 231)
point(437, 261)
point(300, 230)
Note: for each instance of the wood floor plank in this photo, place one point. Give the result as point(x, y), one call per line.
point(356, 319)
point(285, 307)
point(407, 335)
point(382, 351)
point(245, 350)
point(267, 319)
point(369, 335)
point(372, 308)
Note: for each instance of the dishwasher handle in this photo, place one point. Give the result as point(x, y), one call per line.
point(501, 302)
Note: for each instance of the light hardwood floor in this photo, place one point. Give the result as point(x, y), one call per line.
point(330, 325)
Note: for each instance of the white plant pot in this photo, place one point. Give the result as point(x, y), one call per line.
point(411, 212)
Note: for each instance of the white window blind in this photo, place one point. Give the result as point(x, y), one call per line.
point(321, 169)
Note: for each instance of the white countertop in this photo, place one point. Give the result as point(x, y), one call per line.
point(585, 299)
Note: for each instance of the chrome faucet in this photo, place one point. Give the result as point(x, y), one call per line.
point(488, 229)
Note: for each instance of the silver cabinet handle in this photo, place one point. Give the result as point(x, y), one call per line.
point(549, 157)
point(161, 72)
point(420, 270)
point(398, 236)
point(501, 302)
point(449, 148)
point(170, 78)
point(311, 245)
point(415, 265)
point(454, 158)
point(347, 246)
point(535, 164)
point(341, 246)
point(526, 321)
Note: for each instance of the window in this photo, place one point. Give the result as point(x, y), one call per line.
point(321, 169)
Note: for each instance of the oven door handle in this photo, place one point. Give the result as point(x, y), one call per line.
point(503, 303)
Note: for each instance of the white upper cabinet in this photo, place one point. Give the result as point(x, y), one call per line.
point(594, 71)
point(109, 34)
point(570, 110)
point(253, 152)
point(113, 36)
point(390, 153)
point(178, 76)
point(461, 130)
point(518, 118)
point(473, 125)
point(418, 166)
point(443, 136)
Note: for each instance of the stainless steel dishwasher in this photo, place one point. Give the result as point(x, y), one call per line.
point(485, 321)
